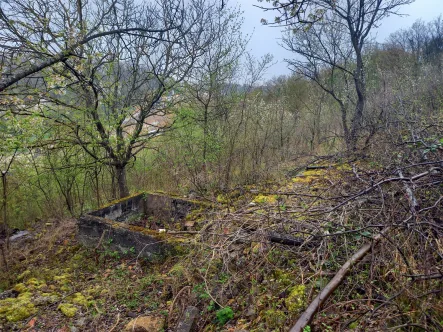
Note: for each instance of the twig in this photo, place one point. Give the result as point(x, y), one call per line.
point(115, 325)
point(173, 303)
point(98, 246)
point(395, 328)
point(424, 276)
point(413, 204)
point(206, 282)
point(97, 309)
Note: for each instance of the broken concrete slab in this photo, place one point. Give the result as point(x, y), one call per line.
point(167, 208)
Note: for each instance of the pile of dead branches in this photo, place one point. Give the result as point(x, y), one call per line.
point(364, 241)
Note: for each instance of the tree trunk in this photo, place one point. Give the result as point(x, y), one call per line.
point(346, 132)
point(120, 172)
point(356, 122)
point(4, 226)
point(205, 132)
point(360, 88)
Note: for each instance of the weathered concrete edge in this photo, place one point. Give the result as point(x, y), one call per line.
point(143, 194)
point(102, 233)
point(97, 231)
point(141, 202)
point(133, 202)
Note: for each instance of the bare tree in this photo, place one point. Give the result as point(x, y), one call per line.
point(331, 36)
point(210, 88)
point(35, 35)
point(423, 40)
point(115, 97)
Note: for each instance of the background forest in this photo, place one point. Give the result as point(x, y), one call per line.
point(221, 125)
point(104, 99)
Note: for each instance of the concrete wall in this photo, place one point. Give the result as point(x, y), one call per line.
point(103, 234)
point(106, 227)
point(165, 208)
point(122, 207)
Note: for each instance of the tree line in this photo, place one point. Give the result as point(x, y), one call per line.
point(82, 80)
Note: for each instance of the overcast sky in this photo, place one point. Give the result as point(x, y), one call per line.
point(265, 39)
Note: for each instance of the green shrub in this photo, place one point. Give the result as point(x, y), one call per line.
point(224, 315)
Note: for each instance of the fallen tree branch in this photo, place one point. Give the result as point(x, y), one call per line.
point(314, 167)
point(171, 307)
point(285, 239)
point(271, 236)
point(315, 305)
point(416, 277)
point(116, 323)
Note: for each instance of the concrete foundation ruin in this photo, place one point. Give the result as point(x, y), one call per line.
point(135, 224)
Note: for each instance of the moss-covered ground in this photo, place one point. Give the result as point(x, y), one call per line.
point(59, 285)
point(230, 270)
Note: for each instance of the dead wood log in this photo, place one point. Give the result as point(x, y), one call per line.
point(285, 239)
point(314, 167)
point(275, 237)
point(315, 305)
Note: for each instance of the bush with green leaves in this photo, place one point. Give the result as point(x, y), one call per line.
point(224, 315)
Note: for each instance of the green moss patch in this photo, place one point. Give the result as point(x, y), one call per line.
point(266, 199)
point(296, 299)
point(80, 299)
point(68, 309)
point(16, 309)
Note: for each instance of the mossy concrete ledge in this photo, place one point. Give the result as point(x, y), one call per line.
point(109, 228)
point(101, 233)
